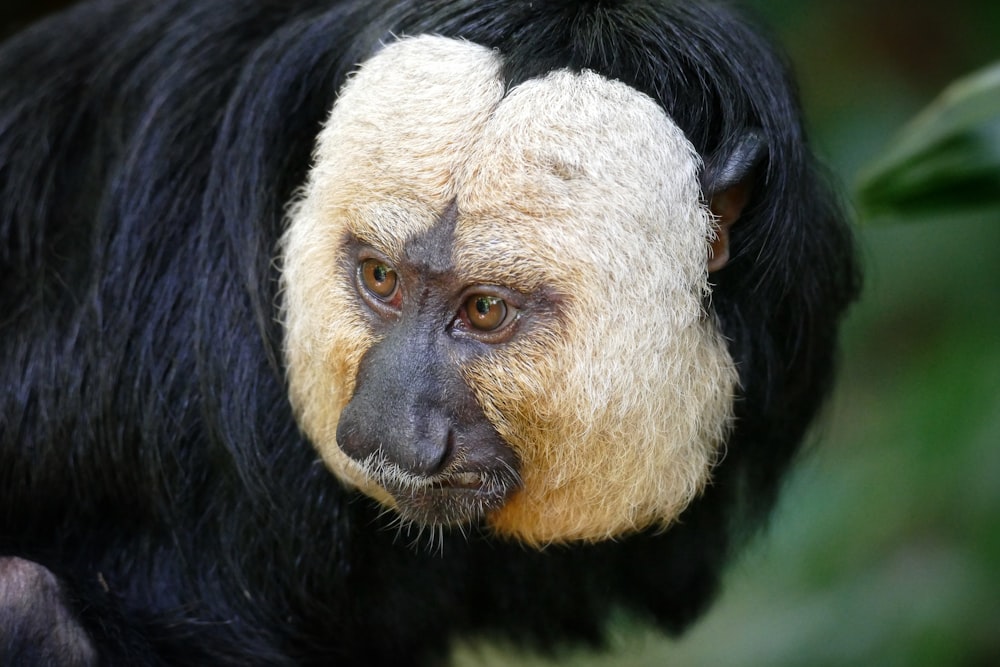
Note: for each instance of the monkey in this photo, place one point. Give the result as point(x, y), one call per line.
point(339, 331)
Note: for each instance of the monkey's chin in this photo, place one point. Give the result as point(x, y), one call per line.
point(451, 502)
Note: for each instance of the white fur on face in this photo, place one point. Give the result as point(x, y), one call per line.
point(572, 184)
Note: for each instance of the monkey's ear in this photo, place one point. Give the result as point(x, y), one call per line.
point(727, 182)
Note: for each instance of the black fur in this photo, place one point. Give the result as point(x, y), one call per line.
point(148, 455)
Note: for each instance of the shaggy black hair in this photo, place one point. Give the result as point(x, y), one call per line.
point(148, 454)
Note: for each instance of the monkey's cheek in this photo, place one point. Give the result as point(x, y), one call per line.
point(594, 509)
point(353, 475)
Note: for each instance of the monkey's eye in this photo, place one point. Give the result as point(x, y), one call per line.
point(485, 313)
point(378, 279)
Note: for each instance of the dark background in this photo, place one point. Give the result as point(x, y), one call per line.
point(886, 547)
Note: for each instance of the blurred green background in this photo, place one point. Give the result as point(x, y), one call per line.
point(885, 549)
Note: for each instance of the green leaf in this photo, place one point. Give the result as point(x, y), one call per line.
point(946, 161)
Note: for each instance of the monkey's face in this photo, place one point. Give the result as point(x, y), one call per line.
point(493, 299)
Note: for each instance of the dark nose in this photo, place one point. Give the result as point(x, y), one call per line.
point(408, 398)
point(418, 439)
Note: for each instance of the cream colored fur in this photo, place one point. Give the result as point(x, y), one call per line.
point(573, 183)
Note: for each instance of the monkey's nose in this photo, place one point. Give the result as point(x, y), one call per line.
point(429, 451)
point(421, 445)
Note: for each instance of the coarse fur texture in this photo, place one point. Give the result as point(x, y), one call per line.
point(38, 627)
point(156, 492)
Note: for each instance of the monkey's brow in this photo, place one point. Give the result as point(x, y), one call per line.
point(389, 227)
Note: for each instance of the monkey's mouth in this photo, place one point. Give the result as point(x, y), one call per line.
point(460, 481)
point(459, 498)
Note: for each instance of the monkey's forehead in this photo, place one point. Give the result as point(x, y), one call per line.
point(428, 123)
